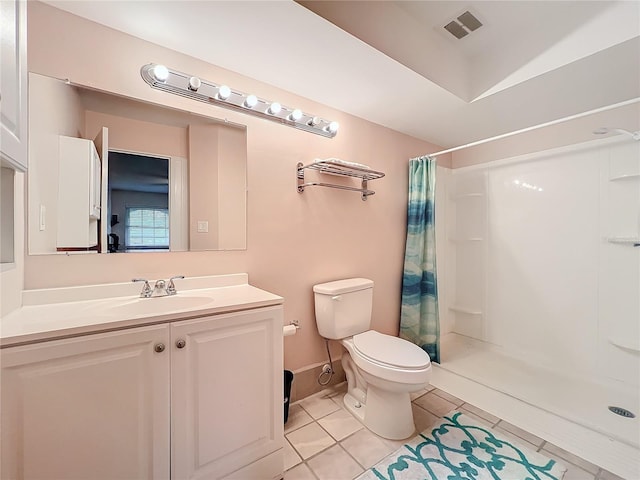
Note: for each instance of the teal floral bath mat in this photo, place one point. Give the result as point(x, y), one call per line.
point(457, 449)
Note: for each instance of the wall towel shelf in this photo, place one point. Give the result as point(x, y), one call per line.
point(334, 166)
point(633, 241)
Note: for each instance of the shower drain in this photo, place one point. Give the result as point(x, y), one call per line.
point(623, 412)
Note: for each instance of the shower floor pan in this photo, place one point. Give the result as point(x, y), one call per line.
point(582, 402)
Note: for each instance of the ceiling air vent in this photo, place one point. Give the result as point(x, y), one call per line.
point(468, 23)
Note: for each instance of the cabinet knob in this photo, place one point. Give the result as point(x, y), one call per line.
point(158, 347)
point(181, 343)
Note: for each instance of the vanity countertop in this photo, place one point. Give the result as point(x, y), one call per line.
point(57, 313)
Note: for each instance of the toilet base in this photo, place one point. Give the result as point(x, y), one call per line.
point(387, 414)
point(355, 407)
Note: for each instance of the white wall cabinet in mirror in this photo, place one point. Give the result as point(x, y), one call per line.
point(79, 180)
point(171, 180)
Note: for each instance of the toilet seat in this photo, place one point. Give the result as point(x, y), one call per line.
point(389, 358)
point(388, 351)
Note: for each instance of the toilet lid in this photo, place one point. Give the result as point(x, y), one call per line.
point(390, 350)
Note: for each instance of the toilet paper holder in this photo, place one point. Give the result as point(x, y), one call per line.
point(291, 329)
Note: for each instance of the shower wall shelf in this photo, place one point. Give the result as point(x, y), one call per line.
point(460, 309)
point(469, 239)
point(632, 343)
point(455, 198)
point(334, 166)
point(633, 241)
point(627, 176)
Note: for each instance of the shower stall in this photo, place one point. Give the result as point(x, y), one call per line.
point(540, 281)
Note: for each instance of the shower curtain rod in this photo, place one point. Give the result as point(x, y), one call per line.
point(535, 127)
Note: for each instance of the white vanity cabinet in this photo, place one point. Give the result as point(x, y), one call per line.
point(227, 396)
point(13, 84)
point(199, 398)
point(94, 407)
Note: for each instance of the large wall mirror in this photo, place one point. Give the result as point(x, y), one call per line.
point(110, 174)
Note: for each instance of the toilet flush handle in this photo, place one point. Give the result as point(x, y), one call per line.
point(337, 298)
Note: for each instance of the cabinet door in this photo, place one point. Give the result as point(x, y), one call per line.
point(101, 190)
point(13, 84)
point(94, 407)
point(226, 393)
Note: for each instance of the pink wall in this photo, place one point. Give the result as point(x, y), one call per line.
point(294, 240)
point(232, 178)
point(138, 136)
point(203, 177)
point(54, 109)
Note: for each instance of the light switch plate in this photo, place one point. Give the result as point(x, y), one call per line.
point(43, 217)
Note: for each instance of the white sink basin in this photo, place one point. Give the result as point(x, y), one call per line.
point(160, 305)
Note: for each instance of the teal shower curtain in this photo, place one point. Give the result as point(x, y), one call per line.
point(419, 321)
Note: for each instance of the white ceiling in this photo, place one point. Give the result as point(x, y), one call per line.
point(392, 63)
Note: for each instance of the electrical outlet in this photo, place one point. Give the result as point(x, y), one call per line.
point(203, 226)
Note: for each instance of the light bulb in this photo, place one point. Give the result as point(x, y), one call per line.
point(274, 108)
point(160, 73)
point(251, 101)
point(194, 84)
point(313, 121)
point(295, 115)
point(332, 127)
point(224, 92)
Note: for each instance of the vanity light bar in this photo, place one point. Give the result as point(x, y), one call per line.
point(178, 83)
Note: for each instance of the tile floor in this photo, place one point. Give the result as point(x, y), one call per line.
point(325, 442)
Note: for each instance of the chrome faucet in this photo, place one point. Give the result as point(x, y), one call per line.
point(146, 289)
point(171, 289)
point(160, 289)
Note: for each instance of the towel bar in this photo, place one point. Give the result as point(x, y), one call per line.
point(336, 167)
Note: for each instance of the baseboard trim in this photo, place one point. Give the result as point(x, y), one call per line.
point(305, 380)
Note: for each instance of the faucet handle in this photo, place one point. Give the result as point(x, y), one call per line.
point(146, 288)
point(171, 289)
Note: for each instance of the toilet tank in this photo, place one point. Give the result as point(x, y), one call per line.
point(343, 307)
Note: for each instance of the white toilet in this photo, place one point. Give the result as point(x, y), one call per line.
point(381, 370)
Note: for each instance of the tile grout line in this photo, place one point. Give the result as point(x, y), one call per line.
point(429, 411)
point(364, 469)
point(493, 424)
point(435, 392)
point(313, 420)
point(305, 461)
point(295, 450)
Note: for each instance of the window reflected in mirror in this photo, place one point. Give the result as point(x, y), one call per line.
point(139, 194)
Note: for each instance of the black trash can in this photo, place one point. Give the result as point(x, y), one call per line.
point(288, 380)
